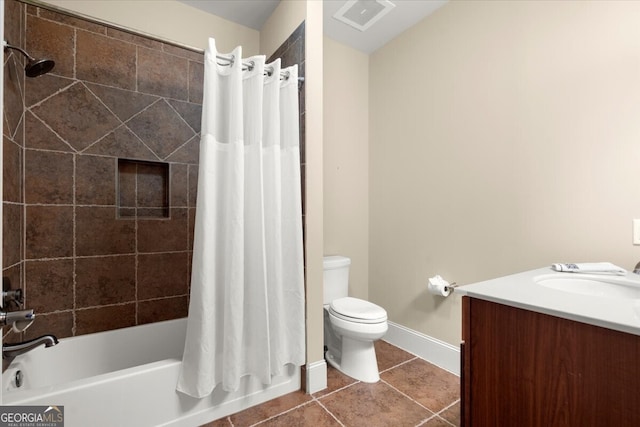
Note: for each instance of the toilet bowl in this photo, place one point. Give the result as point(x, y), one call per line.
point(351, 325)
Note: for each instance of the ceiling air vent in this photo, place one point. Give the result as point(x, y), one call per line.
point(361, 14)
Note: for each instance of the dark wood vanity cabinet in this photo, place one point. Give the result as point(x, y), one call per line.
point(522, 368)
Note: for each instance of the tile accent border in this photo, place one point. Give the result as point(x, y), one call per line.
point(439, 353)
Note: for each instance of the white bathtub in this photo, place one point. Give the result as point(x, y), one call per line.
point(127, 377)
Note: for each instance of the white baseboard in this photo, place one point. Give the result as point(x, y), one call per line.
point(316, 376)
point(440, 353)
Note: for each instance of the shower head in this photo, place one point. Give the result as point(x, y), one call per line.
point(35, 67)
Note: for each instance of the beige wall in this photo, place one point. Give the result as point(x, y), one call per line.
point(313, 176)
point(504, 136)
point(283, 21)
point(169, 20)
point(346, 160)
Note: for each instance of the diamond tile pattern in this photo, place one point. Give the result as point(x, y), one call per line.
point(161, 128)
point(44, 86)
point(190, 112)
point(41, 136)
point(122, 143)
point(77, 116)
point(83, 114)
point(123, 103)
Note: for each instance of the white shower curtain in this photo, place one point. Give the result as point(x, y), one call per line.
point(246, 312)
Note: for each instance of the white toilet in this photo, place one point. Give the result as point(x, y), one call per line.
point(351, 325)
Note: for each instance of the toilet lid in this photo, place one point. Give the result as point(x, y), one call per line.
point(357, 310)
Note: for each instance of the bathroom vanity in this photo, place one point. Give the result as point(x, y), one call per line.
point(546, 350)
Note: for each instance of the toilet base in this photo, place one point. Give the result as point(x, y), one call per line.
point(358, 360)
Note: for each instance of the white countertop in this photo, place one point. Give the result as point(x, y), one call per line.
point(521, 290)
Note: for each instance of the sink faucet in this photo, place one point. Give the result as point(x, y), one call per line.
point(637, 269)
point(10, 351)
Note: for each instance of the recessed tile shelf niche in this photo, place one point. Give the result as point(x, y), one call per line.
point(143, 189)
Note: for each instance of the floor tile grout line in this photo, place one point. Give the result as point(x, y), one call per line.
point(329, 412)
point(446, 408)
point(450, 405)
point(409, 397)
point(426, 420)
point(435, 414)
point(436, 417)
point(282, 413)
point(335, 391)
point(401, 363)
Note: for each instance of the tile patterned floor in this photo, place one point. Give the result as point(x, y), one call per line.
point(411, 392)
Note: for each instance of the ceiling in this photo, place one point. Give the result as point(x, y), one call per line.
point(250, 13)
point(254, 13)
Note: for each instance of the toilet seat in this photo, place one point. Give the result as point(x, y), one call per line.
point(357, 310)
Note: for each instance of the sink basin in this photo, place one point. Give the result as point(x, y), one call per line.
point(591, 285)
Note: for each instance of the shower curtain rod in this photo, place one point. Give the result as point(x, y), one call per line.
point(249, 66)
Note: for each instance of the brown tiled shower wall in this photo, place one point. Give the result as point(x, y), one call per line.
point(13, 149)
point(291, 52)
point(100, 172)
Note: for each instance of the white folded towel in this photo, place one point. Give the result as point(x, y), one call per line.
point(590, 268)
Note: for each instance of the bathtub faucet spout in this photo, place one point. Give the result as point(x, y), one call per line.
point(10, 351)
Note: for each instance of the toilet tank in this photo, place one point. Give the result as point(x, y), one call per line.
point(335, 277)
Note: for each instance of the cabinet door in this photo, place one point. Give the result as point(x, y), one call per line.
point(530, 369)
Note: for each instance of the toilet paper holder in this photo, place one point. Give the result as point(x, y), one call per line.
point(438, 286)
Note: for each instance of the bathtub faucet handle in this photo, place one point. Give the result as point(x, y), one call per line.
point(11, 295)
point(14, 296)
